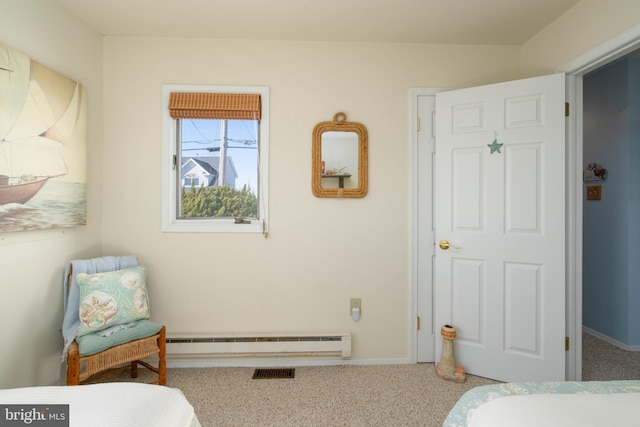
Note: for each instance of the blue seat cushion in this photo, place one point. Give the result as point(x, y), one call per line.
point(94, 343)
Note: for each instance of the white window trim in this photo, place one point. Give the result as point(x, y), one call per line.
point(170, 223)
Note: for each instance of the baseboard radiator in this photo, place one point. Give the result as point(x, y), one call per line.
point(248, 345)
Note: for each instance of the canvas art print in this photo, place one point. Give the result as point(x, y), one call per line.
point(43, 140)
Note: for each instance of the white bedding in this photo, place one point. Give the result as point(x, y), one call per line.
point(466, 407)
point(118, 404)
point(566, 410)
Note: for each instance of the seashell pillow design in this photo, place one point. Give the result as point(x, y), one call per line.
point(112, 298)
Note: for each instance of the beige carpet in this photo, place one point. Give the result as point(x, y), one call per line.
point(384, 395)
point(602, 361)
point(376, 395)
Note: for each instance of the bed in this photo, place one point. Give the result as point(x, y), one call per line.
point(568, 403)
point(121, 404)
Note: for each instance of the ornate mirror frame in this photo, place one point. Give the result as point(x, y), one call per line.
point(339, 124)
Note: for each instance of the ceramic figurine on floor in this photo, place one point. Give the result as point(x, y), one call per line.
point(446, 367)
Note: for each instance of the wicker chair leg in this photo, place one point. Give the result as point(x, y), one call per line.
point(134, 369)
point(162, 362)
point(73, 366)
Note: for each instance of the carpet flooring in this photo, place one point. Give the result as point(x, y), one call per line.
point(602, 361)
point(383, 395)
point(371, 395)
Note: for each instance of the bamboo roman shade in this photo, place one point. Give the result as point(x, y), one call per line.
point(219, 106)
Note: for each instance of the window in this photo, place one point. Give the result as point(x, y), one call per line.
point(215, 153)
point(190, 182)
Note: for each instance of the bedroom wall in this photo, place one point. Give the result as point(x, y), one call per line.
point(31, 263)
point(320, 252)
point(293, 282)
point(583, 27)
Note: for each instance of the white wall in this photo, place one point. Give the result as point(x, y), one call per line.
point(583, 27)
point(31, 263)
point(320, 252)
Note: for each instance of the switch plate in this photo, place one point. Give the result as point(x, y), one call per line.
point(355, 303)
point(594, 192)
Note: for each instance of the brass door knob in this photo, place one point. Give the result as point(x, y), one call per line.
point(444, 245)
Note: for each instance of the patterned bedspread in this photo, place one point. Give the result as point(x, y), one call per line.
point(474, 398)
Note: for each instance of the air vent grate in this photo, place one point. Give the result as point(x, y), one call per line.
point(264, 373)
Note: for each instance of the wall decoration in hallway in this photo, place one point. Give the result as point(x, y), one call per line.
point(43, 144)
point(594, 172)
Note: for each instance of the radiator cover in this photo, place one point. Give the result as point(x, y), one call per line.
point(234, 345)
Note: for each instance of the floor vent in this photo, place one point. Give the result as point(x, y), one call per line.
point(264, 373)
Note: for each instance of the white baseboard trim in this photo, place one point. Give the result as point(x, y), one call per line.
point(610, 340)
point(261, 362)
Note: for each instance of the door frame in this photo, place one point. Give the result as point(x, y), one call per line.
point(415, 190)
point(601, 55)
point(611, 50)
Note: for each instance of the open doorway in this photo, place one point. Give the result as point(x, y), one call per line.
point(576, 71)
point(611, 106)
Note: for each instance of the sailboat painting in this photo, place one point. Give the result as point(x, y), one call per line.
point(43, 145)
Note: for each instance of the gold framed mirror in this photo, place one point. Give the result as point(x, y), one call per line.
point(339, 158)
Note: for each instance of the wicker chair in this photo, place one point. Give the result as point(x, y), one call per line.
point(90, 368)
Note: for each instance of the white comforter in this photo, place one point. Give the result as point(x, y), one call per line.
point(112, 404)
point(566, 410)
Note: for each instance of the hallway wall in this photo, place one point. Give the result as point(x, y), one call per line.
point(610, 272)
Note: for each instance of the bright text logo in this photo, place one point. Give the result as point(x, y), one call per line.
point(34, 415)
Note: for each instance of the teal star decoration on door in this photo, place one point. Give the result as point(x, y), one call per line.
point(495, 147)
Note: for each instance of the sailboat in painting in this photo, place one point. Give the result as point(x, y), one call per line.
point(41, 112)
point(20, 192)
point(39, 109)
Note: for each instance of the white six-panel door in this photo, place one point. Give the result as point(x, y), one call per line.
point(501, 207)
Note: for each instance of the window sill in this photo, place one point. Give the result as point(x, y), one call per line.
point(212, 226)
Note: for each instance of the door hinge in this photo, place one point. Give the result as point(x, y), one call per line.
point(418, 322)
point(567, 344)
point(418, 124)
point(175, 161)
point(566, 109)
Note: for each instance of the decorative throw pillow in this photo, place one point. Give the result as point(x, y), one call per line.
point(112, 298)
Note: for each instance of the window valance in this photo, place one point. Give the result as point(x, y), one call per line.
point(218, 106)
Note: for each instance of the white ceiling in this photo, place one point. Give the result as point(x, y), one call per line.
point(498, 22)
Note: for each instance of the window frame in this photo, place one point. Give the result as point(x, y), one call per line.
point(196, 185)
point(170, 221)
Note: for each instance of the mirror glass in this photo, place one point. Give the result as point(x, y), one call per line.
point(339, 158)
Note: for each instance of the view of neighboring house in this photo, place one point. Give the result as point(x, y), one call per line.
point(203, 172)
